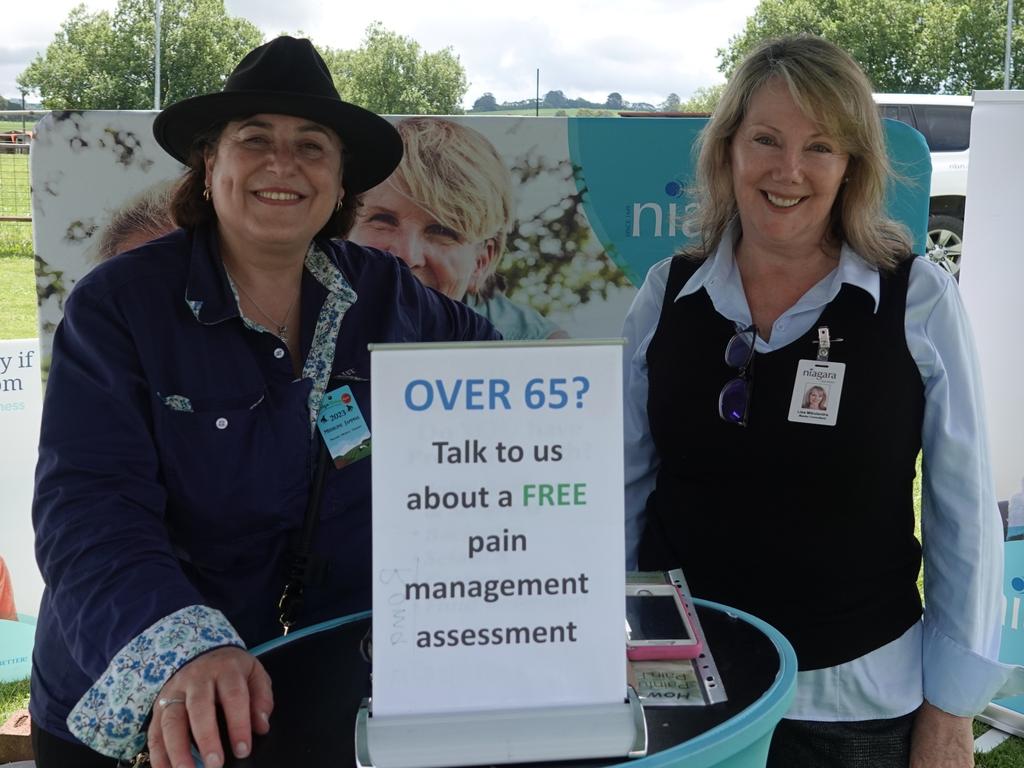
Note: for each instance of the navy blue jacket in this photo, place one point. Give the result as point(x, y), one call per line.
point(144, 507)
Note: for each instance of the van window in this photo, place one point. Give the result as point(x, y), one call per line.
point(945, 128)
point(898, 112)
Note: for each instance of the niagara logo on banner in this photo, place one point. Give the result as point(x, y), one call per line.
point(661, 219)
point(1017, 584)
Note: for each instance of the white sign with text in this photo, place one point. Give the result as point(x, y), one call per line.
point(497, 526)
point(992, 275)
point(20, 409)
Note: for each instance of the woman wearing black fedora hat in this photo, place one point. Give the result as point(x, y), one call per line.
point(179, 449)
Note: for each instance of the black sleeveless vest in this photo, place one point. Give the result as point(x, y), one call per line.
point(806, 526)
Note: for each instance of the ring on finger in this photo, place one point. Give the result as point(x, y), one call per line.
point(165, 703)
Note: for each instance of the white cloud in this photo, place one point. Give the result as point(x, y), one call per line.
point(644, 49)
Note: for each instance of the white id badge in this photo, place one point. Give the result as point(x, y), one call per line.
point(816, 392)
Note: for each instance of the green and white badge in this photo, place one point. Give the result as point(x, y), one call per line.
point(343, 427)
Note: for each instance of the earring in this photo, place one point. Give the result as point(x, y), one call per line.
point(206, 193)
point(337, 205)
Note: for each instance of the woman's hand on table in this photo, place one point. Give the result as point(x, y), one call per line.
point(941, 740)
point(229, 677)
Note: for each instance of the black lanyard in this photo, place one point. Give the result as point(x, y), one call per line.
point(302, 563)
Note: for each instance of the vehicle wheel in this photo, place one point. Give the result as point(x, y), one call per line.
point(945, 242)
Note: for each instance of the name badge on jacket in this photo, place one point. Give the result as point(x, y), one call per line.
point(816, 392)
point(343, 428)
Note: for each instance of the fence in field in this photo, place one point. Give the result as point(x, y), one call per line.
point(15, 194)
point(16, 132)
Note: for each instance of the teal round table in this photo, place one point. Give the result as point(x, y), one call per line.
point(320, 677)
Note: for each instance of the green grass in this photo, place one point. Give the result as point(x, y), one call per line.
point(6, 126)
point(13, 696)
point(15, 239)
point(1009, 754)
point(18, 314)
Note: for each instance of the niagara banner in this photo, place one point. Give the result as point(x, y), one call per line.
point(572, 212)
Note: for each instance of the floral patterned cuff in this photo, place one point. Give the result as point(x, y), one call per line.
point(110, 717)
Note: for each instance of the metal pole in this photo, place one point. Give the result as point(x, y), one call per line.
point(1008, 59)
point(536, 103)
point(156, 63)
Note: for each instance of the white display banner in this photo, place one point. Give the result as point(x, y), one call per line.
point(992, 286)
point(992, 274)
point(497, 526)
point(20, 408)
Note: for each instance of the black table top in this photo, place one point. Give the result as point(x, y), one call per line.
point(320, 680)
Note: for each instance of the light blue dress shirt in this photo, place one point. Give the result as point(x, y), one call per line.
point(948, 658)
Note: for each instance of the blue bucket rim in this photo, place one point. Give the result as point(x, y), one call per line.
point(323, 626)
point(739, 731)
point(744, 728)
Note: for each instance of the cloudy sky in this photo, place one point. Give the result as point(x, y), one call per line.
point(644, 49)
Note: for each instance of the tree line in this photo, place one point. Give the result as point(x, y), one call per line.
point(103, 60)
point(904, 46)
point(558, 100)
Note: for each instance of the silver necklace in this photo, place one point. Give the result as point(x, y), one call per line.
point(282, 327)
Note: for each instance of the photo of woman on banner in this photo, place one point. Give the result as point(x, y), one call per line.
point(794, 246)
point(179, 431)
point(446, 211)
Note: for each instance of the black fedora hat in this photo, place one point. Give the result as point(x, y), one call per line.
point(288, 77)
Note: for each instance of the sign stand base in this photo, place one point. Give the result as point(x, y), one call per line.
point(501, 736)
point(1005, 719)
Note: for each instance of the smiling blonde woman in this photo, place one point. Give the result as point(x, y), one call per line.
point(796, 251)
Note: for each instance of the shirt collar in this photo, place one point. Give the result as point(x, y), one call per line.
point(719, 276)
point(208, 293)
point(212, 298)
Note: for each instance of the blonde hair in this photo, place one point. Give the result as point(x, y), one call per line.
point(807, 397)
point(831, 89)
point(458, 176)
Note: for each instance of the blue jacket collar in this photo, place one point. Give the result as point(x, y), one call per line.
point(208, 292)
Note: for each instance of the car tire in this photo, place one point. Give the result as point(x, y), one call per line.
point(945, 242)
